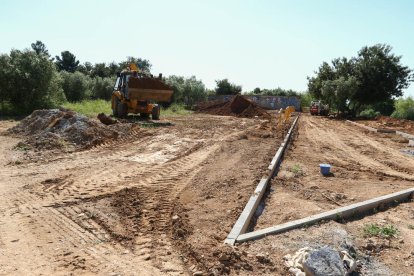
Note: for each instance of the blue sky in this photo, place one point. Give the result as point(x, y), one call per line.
point(258, 43)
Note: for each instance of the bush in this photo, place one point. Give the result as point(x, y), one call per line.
point(76, 86)
point(387, 231)
point(305, 99)
point(28, 81)
point(404, 109)
point(102, 88)
point(369, 113)
point(187, 90)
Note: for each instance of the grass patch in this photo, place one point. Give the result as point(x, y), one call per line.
point(90, 108)
point(22, 147)
point(175, 109)
point(387, 231)
point(411, 226)
point(296, 170)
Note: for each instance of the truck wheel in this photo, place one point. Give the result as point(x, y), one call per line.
point(122, 110)
point(144, 115)
point(115, 109)
point(156, 112)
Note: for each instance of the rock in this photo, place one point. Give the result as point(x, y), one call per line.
point(198, 273)
point(324, 262)
point(349, 263)
point(106, 120)
point(224, 257)
point(261, 258)
point(174, 218)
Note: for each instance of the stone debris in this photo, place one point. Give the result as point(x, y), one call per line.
point(320, 262)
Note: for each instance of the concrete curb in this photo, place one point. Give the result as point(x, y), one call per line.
point(245, 217)
point(342, 212)
point(410, 137)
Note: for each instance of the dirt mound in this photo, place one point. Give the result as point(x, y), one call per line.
point(60, 128)
point(385, 122)
point(396, 123)
point(106, 120)
point(238, 106)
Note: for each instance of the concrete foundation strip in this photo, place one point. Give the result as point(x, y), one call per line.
point(245, 217)
point(382, 130)
point(342, 212)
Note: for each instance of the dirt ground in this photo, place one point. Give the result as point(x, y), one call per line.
point(161, 202)
point(116, 208)
point(384, 122)
point(364, 165)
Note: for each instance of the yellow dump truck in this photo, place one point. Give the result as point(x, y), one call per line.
point(136, 92)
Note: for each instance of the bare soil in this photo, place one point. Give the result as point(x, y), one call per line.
point(364, 165)
point(384, 122)
point(161, 200)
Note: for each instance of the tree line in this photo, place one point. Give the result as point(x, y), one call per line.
point(33, 79)
point(369, 83)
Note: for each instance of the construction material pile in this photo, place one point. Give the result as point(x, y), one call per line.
point(60, 128)
point(238, 106)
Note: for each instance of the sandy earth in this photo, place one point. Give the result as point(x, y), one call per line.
point(162, 202)
point(365, 165)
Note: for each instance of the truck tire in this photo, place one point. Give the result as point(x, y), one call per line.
point(156, 112)
point(144, 115)
point(115, 109)
point(122, 110)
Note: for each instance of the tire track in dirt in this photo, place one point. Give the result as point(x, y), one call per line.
point(341, 143)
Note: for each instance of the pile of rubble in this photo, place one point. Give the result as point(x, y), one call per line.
point(61, 128)
point(238, 106)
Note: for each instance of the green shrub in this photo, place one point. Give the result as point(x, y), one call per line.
point(404, 109)
point(28, 81)
point(369, 113)
point(76, 86)
point(386, 231)
point(102, 88)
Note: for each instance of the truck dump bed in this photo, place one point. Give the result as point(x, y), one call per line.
point(146, 88)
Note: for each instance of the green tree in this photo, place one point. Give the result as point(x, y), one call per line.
point(338, 93)
point(100, 70)
point(374, 76)
point(67, 62)
point(40, 48)
point(224, 87)
point(187, 90)
point(194, 91)
point(5, 77)
point(404, 109)
point(76, 86)
point(30, 79)
point(380, 74)
point(102, 88)
point(143, 64)
point(85, 68)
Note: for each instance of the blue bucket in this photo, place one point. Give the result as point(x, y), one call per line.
point(325, 169)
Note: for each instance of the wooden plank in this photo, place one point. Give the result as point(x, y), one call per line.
point(343, 212)
point(245, 217)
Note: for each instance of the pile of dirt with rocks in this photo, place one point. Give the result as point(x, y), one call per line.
point(238, 106)
point(61, 128)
